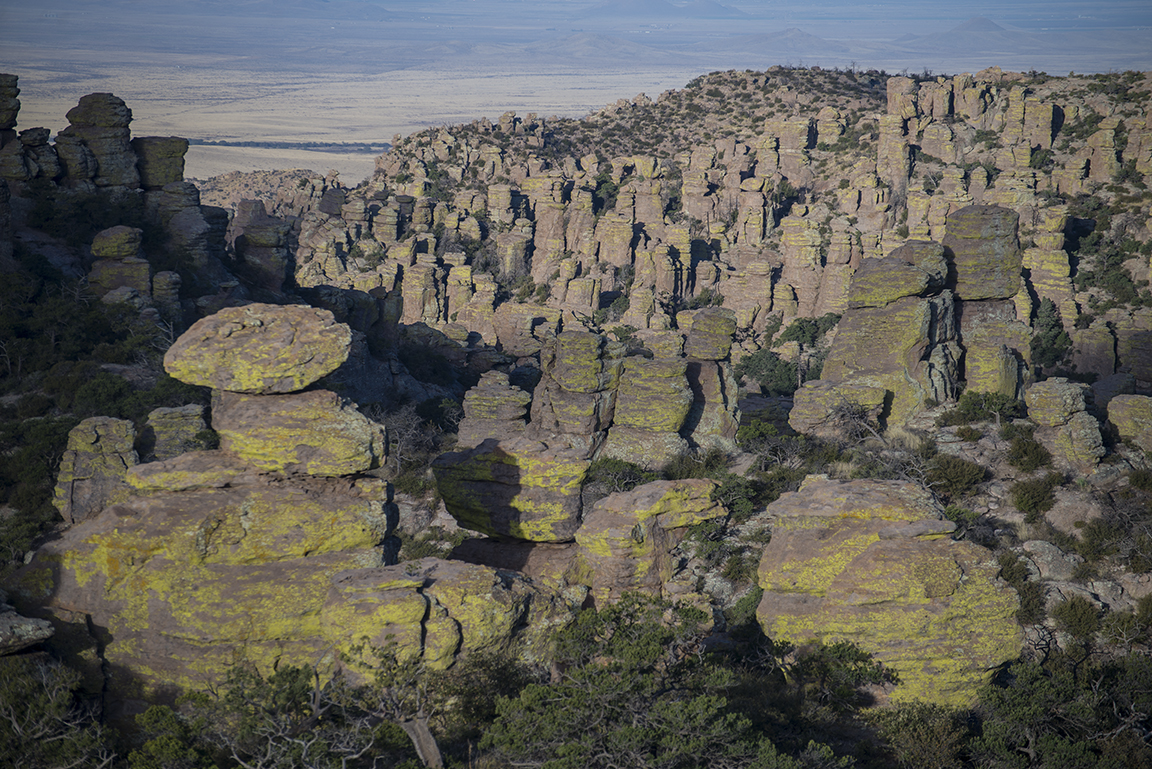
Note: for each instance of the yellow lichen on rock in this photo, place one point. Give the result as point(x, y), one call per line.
point(867, 562)
point(260, 349)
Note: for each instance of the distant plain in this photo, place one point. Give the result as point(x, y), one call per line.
point(307, 71)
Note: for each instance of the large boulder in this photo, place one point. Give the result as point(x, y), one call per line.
point(260, 349)
point(872, 562)
point(494, 408)
point(18, 632)
point(906, 348)
point(159, 160)
point(315, 432)
point(434, 610)
point(1132, 416)
point(520, 488)
point(167, 589)
point(915, 269)
point(93, 469)
point(984, 252)
point(626, 540)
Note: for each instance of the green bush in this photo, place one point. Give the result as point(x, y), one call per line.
point(1025, 453)
point(1141, 479)
point(1036, 496)
point(969, 434)
point(1078, 617)
point(1050, 342)
point(774, 375)
point(951, 476)
point(981, 407)
point(1032, 606)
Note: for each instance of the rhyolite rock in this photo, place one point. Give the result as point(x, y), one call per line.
point(433, 610)
point(117, 243)
point(172, 431)
point(167, 589)
point(1054, 401)
point(159, 160)
point(260, 349)
point(520, 488)
point(984, 251)
point(914, 269)
point(92, 471)
point(1132, 416)
point(100, 122)
point(18, 632)
point(494, 408)
point(710, 337)
point(872, 562)
point(315, 432)
point(626, 540)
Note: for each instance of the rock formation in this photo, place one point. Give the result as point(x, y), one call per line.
point(273, 549)
point(871, 562)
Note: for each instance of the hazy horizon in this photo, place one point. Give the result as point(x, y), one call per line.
point(363, 70)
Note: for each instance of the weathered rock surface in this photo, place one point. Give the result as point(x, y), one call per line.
point(494, 408)
point(984, 251)
point(170, 432)
point(18, 632)
point(92, 471)
point(159, 160)
point(626, 540)
point(1063, 405)
point(1132, 415)
point(917, 268)
point(260, 349)
point(871, 562)
point(100, 122)
point(434, 610)
point(520, 488)
point(315, 432)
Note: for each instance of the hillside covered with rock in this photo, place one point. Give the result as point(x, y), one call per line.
point(796, 411)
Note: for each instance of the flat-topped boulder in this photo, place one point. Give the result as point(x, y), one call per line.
point(260, 349)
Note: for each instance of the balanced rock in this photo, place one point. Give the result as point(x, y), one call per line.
point(871, 562)
point(92, 471)
point(914, 269)
point(710, 336)
point(519, 488)
point(1132, 415)
point(983, 248)
point(100, 121)
point(315, 432)
point(117, 243)
point(625, 542)
point(260, 349)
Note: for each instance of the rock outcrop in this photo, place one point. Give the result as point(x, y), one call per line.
point(1132, 416)
point(871, 562)
point(260, 349)
point(274, 549)
point(93, 469)
point(625, 542)
point(1063, 406)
